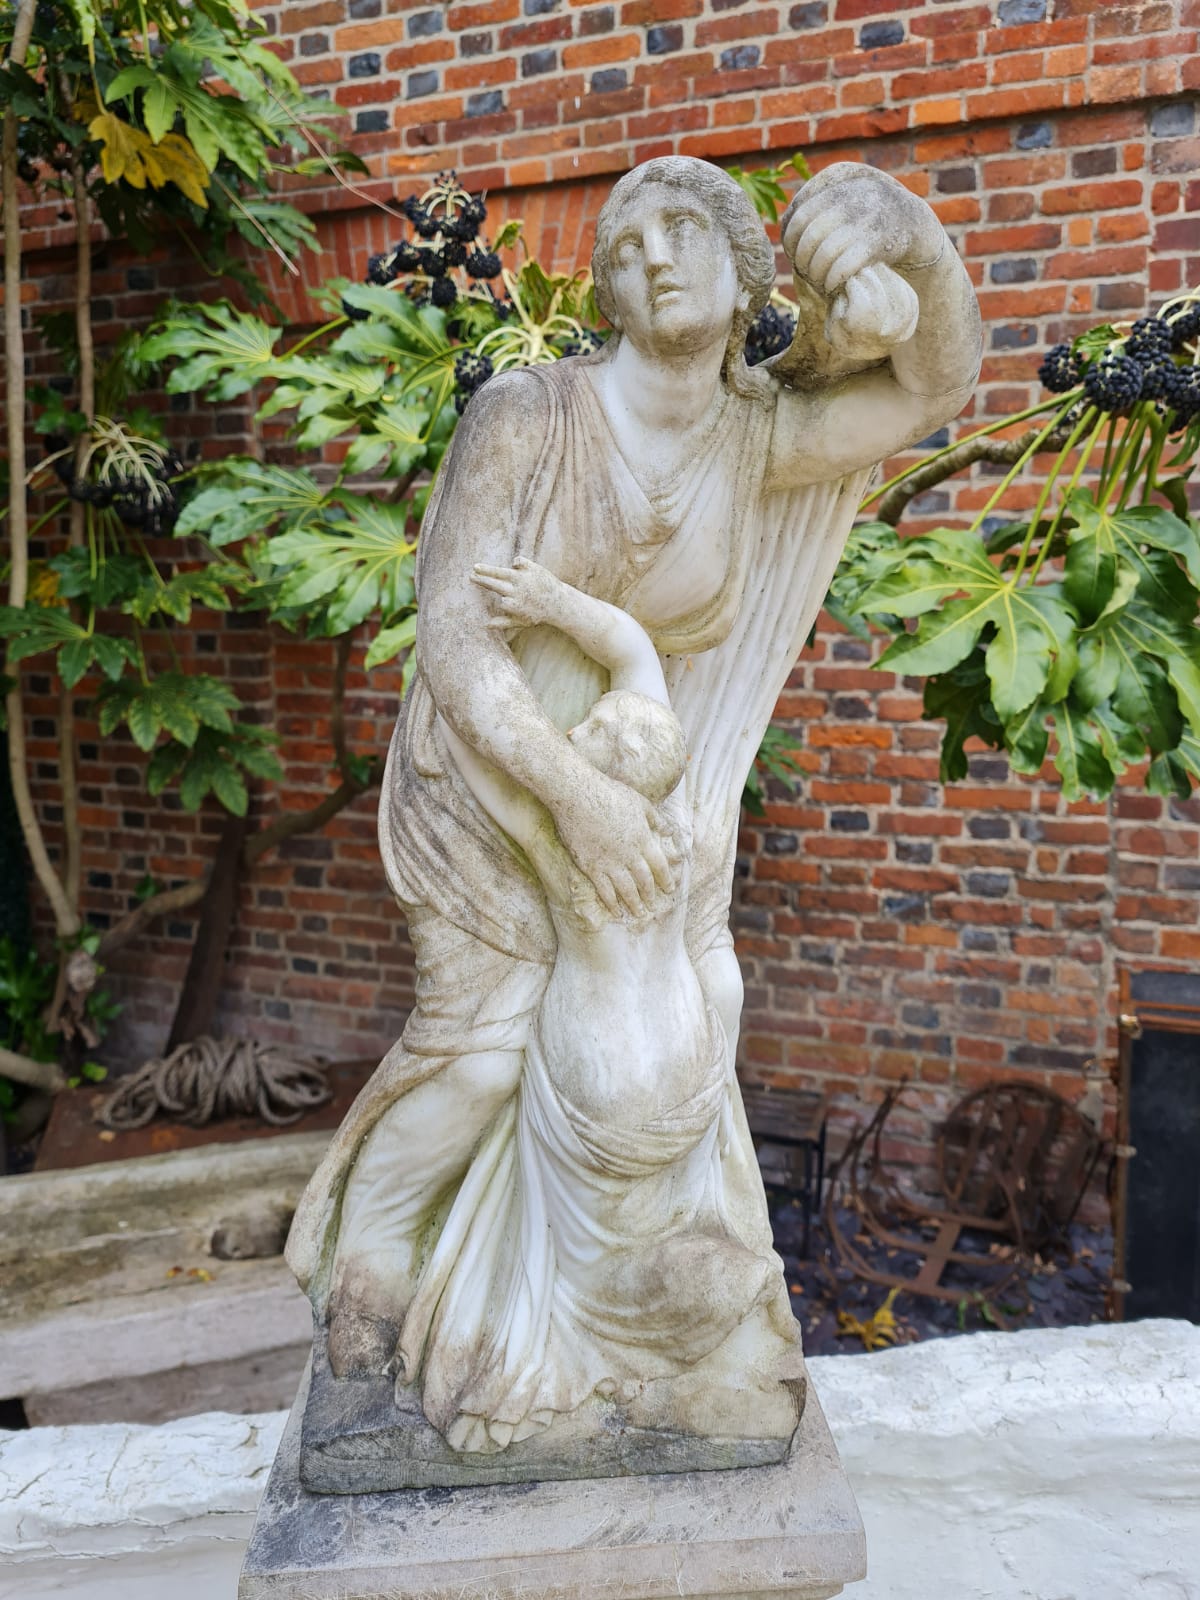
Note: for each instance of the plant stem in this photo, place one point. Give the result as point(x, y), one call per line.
point(76, 533)
point(255, 223)
point(65, 920)
point(1153, 458)
point(1052, 530)
point(326, 327)
point(1126, 451)
point(1021, 461)
point(979, 433)
point(1076, 434)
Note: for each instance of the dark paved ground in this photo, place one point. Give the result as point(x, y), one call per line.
point(1065, 1291)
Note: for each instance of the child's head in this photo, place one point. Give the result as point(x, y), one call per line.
point(634, 739)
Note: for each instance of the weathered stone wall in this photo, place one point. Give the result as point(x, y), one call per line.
point(1020, 1466)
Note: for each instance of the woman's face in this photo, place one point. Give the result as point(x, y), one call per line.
point(672, 275)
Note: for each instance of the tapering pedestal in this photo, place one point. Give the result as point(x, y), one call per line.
point(785, 1532)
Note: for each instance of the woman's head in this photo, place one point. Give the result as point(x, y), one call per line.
point(692, 197)
point(635, 739)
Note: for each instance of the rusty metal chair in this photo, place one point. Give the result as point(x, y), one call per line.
point(1014, 1161)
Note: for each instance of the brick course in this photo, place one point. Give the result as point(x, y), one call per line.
point(887, 926)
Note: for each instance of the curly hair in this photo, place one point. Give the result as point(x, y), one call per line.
point(640, 742)
point(753, 255)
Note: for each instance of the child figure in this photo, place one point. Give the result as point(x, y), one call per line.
point(587, 1250)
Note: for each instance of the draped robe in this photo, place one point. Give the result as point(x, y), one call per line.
point(727, 577)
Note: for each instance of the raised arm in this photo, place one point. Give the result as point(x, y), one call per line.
point(527, 593)
point(896, 292)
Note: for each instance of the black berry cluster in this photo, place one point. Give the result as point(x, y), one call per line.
point(1061, 370)
point(1185, 326)
point(1145, 366)
point(770, 332)
point(143, 499)
point(1114, 383)
point(588, 341)
point(471, 371)
point(446, 223)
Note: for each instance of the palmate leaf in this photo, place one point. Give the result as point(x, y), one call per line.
point(205, 586)
point(220, 351)
point(949, 582)
point(244, 499)
point(115, 579)
point(355, 565)
point(127, 153)
point(32, 629)
point(1175, 772)
point(176, 703)
point(962, 698)
point(389, 642)
point(216, 763)
point(1101, 537)
point(1079, 754)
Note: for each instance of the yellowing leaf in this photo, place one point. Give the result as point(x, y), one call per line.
point(877, 1330)
point(127, 152)
point(173, 160)
point(122, 149)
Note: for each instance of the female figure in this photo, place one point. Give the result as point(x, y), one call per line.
point(709, 502)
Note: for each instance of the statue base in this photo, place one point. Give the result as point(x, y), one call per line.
point(359, 1436)
point(785, 1532)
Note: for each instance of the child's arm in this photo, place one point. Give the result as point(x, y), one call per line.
point(528, 593)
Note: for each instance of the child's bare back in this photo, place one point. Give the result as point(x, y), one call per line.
point(624, 1029)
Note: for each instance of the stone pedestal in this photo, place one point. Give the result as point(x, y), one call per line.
point(784, 1532)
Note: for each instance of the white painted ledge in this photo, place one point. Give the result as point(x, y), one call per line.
point(1058, 1465)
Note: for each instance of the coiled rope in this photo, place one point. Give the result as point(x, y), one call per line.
point(210, 1079)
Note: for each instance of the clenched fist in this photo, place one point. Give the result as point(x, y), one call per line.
point(849, 233)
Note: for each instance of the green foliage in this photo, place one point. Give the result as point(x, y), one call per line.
point(180, 115)
point(764, 185)
point(1070, 634)
point(26, 985)
point(775, 759)
point(26, 988)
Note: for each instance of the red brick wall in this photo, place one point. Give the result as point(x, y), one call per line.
point(888, 926)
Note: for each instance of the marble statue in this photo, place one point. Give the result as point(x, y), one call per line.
point(541, 1228)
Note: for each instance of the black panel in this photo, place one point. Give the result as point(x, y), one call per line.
point(1165, 988)
point(1163, 1209)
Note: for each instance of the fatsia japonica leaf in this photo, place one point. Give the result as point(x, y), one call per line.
point(962, 698)
point(389, 642)
point(32, 629)
point(359, 563)
point(1101, 536)
point(1079, 754)
point(245, 498)
point(217, 763)
point(220, 351)
point(114, 579)
point(946, 579)
point(1177, 771)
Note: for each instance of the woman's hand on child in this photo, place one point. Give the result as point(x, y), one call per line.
point(524, 593)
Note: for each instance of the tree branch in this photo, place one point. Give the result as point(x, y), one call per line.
point(294, 822)
point(189, 894)
point(148, 911)
point(1001, 452)
point(337, 716)
point(65, 917)
point(68, 775)
point(45, 1075)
